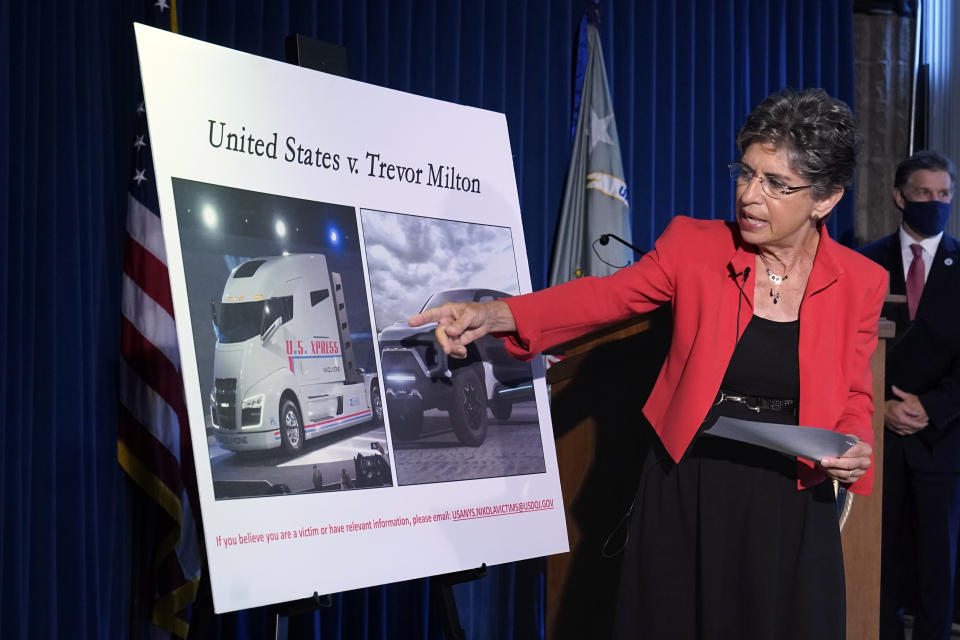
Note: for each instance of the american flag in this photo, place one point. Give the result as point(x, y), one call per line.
point(153, 444)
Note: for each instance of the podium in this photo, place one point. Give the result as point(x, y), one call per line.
point(597, 392)
point(861, 535)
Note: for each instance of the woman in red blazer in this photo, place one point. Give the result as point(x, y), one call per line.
point(774, 322)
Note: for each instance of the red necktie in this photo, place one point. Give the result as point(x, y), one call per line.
point(915, 280)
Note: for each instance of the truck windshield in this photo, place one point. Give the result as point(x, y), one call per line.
point(239, 321)
point(462, 295)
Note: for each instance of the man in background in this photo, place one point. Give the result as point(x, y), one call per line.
point(921, 472)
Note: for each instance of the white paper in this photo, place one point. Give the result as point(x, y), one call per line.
point(805, 442)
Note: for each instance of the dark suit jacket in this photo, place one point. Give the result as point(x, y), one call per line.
point(924, 357)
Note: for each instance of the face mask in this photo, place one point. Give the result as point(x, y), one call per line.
point(926, 218)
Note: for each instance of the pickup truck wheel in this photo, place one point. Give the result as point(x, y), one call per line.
point(406, 421)
point(468, 407)
point(291, 427)
point(501, 409)
point(376, 403)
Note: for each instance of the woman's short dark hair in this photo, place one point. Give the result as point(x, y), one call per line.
point(818, 133)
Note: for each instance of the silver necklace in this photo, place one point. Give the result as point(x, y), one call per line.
point(776, 280)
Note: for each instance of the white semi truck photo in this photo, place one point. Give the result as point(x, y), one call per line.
point(284, 367)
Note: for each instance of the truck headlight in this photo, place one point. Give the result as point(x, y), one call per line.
point(213, 411)
point(253, 402)
point(251, 411)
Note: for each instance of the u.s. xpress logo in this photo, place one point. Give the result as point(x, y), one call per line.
point(609, 185)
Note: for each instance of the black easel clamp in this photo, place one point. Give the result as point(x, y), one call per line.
point(441, 595)
point(306, 605)
point(283, 610)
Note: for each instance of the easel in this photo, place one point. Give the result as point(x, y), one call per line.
point(332, 58)
point(443, 600)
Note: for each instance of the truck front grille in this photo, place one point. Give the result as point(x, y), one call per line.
point(225, 396)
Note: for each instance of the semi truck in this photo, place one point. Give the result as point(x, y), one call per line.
point(284, 367)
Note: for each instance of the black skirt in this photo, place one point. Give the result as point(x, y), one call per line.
point(723, 545)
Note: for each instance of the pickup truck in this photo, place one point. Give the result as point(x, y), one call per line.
point(418, 376)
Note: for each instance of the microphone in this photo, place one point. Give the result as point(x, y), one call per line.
point(746, 274)
point(605, 240)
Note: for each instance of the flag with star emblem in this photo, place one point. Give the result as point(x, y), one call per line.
point(595, 196)
point(153, 444)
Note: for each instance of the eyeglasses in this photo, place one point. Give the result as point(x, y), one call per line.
point(771, 186)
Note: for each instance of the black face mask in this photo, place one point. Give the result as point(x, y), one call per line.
point(926, 218)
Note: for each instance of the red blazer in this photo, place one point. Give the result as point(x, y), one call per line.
point(692, 266)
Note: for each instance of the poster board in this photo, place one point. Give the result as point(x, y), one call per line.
point(305, 217)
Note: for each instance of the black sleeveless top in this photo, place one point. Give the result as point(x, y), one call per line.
point(765, 362)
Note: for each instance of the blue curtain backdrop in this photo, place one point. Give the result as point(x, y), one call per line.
point(683, 76)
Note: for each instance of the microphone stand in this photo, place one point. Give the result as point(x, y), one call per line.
point(605, 240)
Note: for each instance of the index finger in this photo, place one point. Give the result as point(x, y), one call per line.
point(860, 462)
point(436, 314)
point(912, 420)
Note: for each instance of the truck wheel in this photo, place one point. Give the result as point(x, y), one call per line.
point(291, 427)
point(406, 421)
point(376, 403)
point(501, 409)
point(468, 407)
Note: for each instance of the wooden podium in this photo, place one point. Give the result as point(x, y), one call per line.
point(596, 395)
point(861, 535)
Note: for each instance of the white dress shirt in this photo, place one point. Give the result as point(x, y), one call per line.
point(929, 245)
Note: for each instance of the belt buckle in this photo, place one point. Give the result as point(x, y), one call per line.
point(741, 399)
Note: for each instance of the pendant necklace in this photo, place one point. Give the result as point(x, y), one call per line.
point(776, 280)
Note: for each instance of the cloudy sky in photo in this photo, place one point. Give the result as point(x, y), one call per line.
point(410, 258)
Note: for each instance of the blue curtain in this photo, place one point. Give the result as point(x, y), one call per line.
point(683, 77)
point(65, 535)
